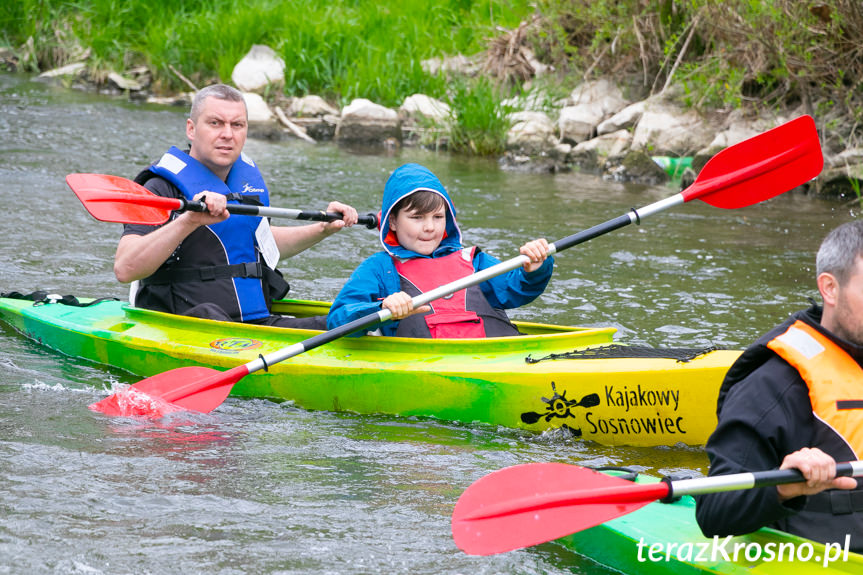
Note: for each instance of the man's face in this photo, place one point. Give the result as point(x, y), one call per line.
point(218, 135)
point(847, 315)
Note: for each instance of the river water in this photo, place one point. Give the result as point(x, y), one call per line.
point(259, 487)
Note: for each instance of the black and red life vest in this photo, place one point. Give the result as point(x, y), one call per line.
point(465, 314)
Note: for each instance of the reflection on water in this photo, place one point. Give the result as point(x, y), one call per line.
point(258, 487)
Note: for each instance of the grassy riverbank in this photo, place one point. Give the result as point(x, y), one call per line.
point(736, 53)
point(339, 49)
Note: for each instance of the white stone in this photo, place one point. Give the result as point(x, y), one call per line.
point(365, 121)
point(577, 123)
point(311, 106)
point(124, 83)
point(361, 108)
point(669, 130)
point(533, 131)
point(260, 67)
point(258, 109)
point(420, 105)
point(588, 105)
point(69, 70)
point(622, 120)
point(612, 145)
point(602, 92)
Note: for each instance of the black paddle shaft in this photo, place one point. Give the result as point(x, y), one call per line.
point(596, 231)
point(632, 217)
point(369, 220)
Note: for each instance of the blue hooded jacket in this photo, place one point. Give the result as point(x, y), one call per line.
point(376, 277)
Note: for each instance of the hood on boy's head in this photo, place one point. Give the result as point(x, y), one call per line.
point(404, 181)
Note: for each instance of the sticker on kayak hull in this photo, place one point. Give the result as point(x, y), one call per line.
point(235, 344)
point(558, 406)
point(627, 411)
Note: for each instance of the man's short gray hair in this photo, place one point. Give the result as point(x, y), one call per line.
point(839, 251)
point(220, 91)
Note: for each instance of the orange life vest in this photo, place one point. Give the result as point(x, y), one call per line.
point(834, 379)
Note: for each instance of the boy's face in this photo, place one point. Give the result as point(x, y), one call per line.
point(419, 233)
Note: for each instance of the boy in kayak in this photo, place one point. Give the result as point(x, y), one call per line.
point(207, 264)
point(423, 250)
point(794, 399)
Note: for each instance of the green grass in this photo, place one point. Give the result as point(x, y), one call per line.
point(766, 54)
point(481, 123)
point(339, 49)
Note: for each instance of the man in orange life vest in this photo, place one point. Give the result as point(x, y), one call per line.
point(794, 399)
point(423, 250)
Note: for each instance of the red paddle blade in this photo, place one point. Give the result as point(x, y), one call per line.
point(115, 199)
point(186, 388)
point(133, 403)
point(761, 167)
point(533, 503)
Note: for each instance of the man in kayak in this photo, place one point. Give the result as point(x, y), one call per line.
point(794, 399)
point(206, 264)
point(423, 250)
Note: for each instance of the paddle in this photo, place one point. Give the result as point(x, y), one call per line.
point(744, 174)
point(533, 503)
point(115, 199)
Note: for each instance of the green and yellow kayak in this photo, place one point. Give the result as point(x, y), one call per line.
point(551, 377)
point(665, 538)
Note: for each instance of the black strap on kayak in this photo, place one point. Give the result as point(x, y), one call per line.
point(617, 351)
point(40, 297)
point(626, 473)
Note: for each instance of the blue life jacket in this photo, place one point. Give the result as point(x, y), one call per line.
point(239, 261)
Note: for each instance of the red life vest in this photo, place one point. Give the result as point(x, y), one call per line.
point(465, 314)
point(834, 379)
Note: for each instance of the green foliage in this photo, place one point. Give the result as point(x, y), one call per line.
point(775, 53)
point(855, 186)
point(715, 83)
point(22, 19)
point(343, 49)
point(480, 123)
